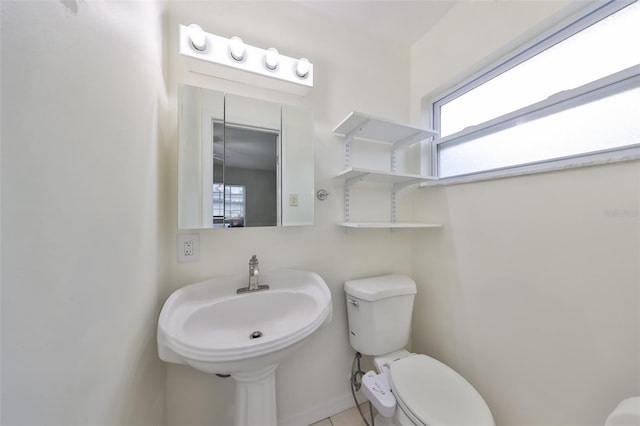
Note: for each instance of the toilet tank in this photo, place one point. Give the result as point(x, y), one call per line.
point(379, 313)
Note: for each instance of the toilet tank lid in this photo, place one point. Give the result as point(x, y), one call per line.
point(382, 287)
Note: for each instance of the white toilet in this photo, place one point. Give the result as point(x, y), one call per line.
point(410, 389)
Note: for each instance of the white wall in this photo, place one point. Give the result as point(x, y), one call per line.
point(534, 296)
point(81, 84)
point(531, 290)
point(352, 71)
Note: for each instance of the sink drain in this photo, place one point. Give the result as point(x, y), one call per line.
point(255, 335)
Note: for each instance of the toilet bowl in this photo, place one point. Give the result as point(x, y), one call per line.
point(429, 392)
point(407, 389)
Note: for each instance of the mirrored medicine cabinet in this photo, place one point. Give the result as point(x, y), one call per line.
point(243, 162)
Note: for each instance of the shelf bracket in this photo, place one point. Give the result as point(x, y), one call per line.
point(347, 185)
point(347, 151)
point(393, 205)
point(397, 187)
point(347, 141)
point(394, 160)
point(346, 203)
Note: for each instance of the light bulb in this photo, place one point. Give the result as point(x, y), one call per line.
point(236, 48)
point(197, 37)
point(271, 58)
point(303, 67)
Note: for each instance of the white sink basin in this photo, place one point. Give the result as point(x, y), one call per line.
point(258, 323)
point(211, 328)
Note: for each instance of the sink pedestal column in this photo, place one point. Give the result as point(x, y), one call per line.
point(255, 402)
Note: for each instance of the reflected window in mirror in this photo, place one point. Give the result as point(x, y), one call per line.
point(228, 205)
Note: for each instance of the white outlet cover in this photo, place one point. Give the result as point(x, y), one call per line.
point(195, 245)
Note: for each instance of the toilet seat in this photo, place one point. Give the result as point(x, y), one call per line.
point(434, 394)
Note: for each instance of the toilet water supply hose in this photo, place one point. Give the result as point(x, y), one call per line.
point(356, 383)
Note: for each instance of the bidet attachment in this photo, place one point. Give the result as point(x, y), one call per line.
point(377, 389)
point(355, 383)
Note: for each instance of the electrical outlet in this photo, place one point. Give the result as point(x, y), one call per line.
point(188, 248)
point(293, 200)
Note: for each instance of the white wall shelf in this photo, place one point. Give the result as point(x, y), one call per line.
point(364, 126)
point(374, 129)
point(380, 176)
point(388, 225)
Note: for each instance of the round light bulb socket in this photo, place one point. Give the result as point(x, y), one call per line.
point(303, 67)
point(272, 58)
point(237, 48)
point(197, 37)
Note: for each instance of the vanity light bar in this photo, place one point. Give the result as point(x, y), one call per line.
point(221, 57)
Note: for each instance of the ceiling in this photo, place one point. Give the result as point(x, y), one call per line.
point(401, 21)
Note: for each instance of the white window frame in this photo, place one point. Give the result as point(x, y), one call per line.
point(598, 89)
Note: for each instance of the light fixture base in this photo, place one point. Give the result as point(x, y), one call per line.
point(216, 61)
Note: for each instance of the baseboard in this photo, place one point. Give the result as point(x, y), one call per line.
point(320, 411)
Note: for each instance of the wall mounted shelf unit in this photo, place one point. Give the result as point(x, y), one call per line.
point(399, 136)
point(380, 176)
point(388, 225)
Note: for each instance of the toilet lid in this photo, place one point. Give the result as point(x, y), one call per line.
point(436, 394)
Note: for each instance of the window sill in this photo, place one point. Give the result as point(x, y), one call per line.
point(629, 153)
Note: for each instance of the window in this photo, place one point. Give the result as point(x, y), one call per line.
point(572, 94)
point(228, 207)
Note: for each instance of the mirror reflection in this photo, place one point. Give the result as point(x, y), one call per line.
point(246, 160)
point(237, 157)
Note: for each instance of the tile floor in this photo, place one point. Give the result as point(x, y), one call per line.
point(349, 417)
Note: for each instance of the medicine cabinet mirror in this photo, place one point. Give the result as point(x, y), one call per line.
point(243, 162)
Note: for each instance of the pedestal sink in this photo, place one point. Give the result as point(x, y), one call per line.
point(211, 328)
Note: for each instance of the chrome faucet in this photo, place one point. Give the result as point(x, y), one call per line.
point(254, 275)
